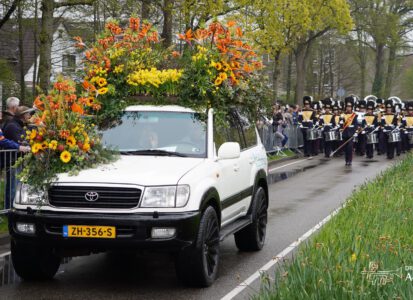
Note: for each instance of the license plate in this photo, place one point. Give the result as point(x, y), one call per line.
point(84, 231)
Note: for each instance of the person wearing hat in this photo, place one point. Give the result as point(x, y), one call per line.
point(307, 120)
point(337, 117)
point(327, 121)
point(388, 125)
point(369, 124)
point(360, 146)
point(349, 126)
point(407, 126)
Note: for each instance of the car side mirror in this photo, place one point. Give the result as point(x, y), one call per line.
point(229, 150)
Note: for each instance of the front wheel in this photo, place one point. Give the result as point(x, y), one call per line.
point(34, 262)
point(198, 265)
point(252, 237)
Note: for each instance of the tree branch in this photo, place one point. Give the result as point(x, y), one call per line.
point(73, 3)
point(9, 12)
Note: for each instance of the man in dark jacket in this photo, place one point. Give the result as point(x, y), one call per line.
point(12, 103)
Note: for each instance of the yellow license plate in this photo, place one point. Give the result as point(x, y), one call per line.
point(84, 231)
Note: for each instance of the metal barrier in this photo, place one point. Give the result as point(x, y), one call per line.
point(271, 142)
point(8, 180)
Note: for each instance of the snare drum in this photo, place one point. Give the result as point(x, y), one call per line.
point(372, 138)
point(339, 135)
point(319, 133)
point(330, 136)
point(410, 137)
point(394, 137)
point(311, 134)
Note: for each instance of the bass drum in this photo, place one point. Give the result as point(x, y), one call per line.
point(330, 136)
point(372, 138)
point(394, 137)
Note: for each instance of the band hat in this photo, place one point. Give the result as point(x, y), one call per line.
point(409, 105)
point(349, 101)
point(328, 102)
point(389, 103)
point(371, 104)
point(307, 99)
point(362, 104)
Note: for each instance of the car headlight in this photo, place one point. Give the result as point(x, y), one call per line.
point(27, 196)
point(166, 196)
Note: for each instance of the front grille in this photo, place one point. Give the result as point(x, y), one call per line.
point(108, 197)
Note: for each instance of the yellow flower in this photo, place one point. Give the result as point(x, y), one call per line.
point(118, 69)
point(102, 82)
point(226, 67)
point(223, 76)
point(44, 145)
point(65, 156)
point(218, 81)
point(86, 147)
point(53, 145)
point(36, 148)
point(353, 257)
point(218, 66)
point(33, 134)
point(103, 90)
point(71, 141)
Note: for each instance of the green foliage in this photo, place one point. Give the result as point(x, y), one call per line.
point(374, 229)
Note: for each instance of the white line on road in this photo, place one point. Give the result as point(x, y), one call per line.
point(278, 257)
point(293, 163)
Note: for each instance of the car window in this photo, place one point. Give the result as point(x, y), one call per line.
point(227, 132)
point(249, 132)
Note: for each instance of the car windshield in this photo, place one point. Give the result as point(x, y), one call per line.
point(158, 133)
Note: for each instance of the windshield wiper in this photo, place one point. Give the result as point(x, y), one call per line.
point(153, 152)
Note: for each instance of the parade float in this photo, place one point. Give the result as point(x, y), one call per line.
point(127, 65)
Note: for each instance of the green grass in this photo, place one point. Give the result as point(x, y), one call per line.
point(375, 228)
point(288, 152)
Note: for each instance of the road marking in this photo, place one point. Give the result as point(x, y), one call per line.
point(279, 257)
point(293, 163)
point(4, 254)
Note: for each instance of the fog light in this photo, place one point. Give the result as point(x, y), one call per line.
point(27, 228)
point(163, 233)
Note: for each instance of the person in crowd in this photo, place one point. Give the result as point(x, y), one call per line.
point(14, 131)
point(407, 126)
point(307, 120)
point(12, 103)
point(349, 127)
point(369, 123)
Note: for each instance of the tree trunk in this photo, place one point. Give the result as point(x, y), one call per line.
point(289, 75)
point(145, 9)
point(301, 54)
point(320, 72)
point(34, 80)
point(390, 71)
point(377, 88)
point(167, 22)
point(362, 57)
point(21, 53)
point(46, 38)
point(276, 74)
point(330, 66)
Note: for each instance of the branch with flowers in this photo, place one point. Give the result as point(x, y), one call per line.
point(64, 140)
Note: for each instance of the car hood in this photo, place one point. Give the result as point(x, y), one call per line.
point(133, 169)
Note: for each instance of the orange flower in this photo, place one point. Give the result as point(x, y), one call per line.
point(89, 101)
point(239, 32)
point(231, 23)
point(77, 108)
point(38, 103)
point(64, 133)
point(134, 24)
point(79, 43)
point(175, 54)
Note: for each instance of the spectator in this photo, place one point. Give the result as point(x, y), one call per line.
point(12, 103)
point(14, 131)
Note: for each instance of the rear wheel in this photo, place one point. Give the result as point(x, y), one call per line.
point(252, 237)
point(198, 265)
point(34, 262)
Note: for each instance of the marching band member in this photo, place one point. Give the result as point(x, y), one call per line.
point(337, 117)
point(361, 144)
point(327, 120)
point(407, 125)
point(389, 125)
point(349, 127)
point(370, 124)
point(381, 147)
point(307, 120)
point(318, 143)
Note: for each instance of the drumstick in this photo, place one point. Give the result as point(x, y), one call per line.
point(345, 143)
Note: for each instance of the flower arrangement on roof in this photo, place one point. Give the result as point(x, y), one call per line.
point(215, 69)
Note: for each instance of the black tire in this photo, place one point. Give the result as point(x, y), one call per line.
point(198, 265)
point(252, 237)
point(34, 262)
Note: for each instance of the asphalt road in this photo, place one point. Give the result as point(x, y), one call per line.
point(301, 194)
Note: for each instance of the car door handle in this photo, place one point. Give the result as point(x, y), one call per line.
point(236, 168)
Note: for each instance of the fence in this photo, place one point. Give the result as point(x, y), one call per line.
point(8, 179)
point(273, 141)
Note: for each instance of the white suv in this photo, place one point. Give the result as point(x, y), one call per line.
point(181, 185)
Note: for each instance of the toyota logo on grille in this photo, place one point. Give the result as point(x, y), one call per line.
point(91, 196)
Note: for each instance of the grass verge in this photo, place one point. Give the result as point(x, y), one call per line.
point(364, 252)
point(287, 152)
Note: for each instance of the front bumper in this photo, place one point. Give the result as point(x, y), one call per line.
point(133, 231)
